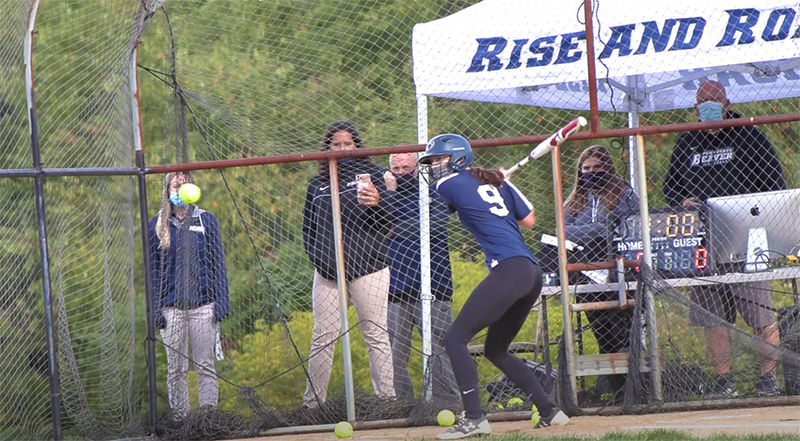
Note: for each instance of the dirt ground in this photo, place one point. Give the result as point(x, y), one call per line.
point(764, 420)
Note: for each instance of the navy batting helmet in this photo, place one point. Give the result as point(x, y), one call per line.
point(448, 144)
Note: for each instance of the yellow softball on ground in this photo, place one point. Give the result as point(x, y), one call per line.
point(446, 418)
point(189, 193)
point(343, 429)
point(535, 415)
point(515, 401)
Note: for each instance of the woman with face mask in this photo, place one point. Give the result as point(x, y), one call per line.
point(598, 200)
point(190, 292)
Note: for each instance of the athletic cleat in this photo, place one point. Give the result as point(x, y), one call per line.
point(721, 389)
point(466, 427)
point(556, 418)
point(767, 386)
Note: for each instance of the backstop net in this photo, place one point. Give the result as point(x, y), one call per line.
point(249, 333)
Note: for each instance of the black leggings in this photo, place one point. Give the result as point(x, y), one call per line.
point(502, 301)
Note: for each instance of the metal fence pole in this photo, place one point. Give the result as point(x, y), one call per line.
point(341, 280)
point(563, 275)
point(38, 184)
point(150, 344)
point(650, 314)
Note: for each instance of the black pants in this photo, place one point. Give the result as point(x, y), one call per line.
point(502, 301)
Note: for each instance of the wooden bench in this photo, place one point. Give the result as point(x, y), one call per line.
point(604, 364)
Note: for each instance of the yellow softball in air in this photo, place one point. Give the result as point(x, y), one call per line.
point(189, 193)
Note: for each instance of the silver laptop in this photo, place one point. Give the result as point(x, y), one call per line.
point(769, 221)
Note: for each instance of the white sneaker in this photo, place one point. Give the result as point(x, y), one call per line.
point(465, 427)
point(557, 418)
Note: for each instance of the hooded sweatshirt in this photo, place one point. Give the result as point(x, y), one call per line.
point(734, 160)
point(404, 244)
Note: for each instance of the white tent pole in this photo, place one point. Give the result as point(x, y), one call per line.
point(633, 121)
point(637, 173)
point(425, 253)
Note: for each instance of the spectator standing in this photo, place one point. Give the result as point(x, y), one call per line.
point(405, 306)
point(365, 224)
point(190, 292)
point(724, 162)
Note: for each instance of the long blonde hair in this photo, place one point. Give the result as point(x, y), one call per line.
point(164, 213)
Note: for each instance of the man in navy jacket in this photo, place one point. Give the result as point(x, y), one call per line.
point(405, 311)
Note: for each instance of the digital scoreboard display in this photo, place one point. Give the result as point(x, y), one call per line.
point(678, 240)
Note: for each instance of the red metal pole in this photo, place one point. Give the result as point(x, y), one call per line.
point(594, 113)
point(481, 143)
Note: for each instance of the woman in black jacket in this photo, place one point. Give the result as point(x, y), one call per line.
point(598, 201)
point(365, 224)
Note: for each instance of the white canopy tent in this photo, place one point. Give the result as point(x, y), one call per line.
point(649, 56)
point(534, 52)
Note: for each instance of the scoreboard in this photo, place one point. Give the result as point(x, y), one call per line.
point(678, 240)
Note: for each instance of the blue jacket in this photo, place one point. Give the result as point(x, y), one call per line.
point(192, 271)
point(404, 246)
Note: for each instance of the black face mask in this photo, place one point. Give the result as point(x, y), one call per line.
point(406, 182)
point(594, 180)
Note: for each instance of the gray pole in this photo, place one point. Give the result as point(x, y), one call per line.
point(341, 280)
point(38, 185)
point(150, 344)
point(633, 121)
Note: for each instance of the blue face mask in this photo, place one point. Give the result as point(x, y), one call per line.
point(176, 200)
point(710, 111)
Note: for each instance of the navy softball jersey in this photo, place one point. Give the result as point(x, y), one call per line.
point(489, 213)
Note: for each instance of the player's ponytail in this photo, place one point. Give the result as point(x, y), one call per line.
point(492, 177)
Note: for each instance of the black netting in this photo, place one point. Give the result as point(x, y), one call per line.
point(251, 271)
